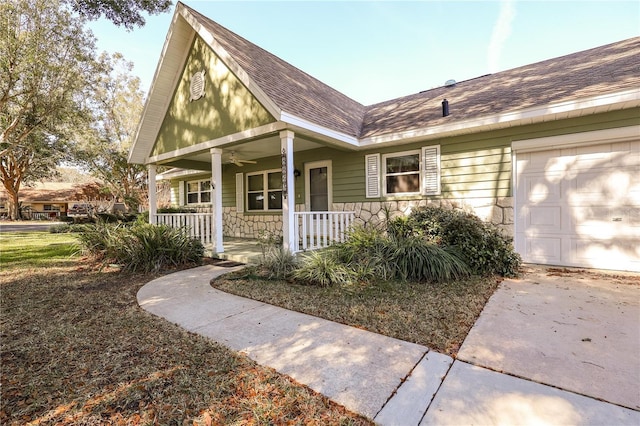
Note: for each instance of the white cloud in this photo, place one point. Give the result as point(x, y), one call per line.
point(500, 34)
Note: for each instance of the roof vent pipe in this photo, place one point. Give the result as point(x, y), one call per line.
point(445, 108)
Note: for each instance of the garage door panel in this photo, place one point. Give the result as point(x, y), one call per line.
point(603, 186)
point(606, 254)
point(539, 188)
point(543, 249)
point(543, 218)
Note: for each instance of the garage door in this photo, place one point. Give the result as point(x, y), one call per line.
point(579, 205)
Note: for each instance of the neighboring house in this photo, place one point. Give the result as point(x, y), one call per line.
point(52, 200)
point(550, 152)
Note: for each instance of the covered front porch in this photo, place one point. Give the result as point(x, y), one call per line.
point(246, 189)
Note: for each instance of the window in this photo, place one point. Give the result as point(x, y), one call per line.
point(403, 173)
point(263, 186)
point(199, 191)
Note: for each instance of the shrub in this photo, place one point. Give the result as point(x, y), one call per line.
point(367, 251)
point(415, 259)
point(280, 263)
point(65, 228)
point(141, 247)
point(483, 247)
point(323, 268)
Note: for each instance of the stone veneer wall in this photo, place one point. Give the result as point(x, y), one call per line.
point(498, 211)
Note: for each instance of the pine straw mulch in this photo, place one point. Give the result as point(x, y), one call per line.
point(77, 349)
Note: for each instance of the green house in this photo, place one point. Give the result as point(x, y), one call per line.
point(549, 152)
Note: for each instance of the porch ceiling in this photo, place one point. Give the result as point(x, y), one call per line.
point(246, 150)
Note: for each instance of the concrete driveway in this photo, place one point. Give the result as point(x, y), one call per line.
point(577, 330)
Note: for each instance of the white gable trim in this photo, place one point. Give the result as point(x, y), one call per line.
point(301, 123)
point(172, 58)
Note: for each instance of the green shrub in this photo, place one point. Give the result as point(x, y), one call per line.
point(482, 245)
point(280, 263)
point(141, 247)
point(415, 259)
point(323, 268)
point(62, 228)
point(65, 228)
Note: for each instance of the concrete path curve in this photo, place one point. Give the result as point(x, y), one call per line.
point(388, 380)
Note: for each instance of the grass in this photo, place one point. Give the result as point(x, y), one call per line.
point(77, 349)
point(33, 249)
point(438, 316)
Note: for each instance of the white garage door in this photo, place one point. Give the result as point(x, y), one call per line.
point(579, 206)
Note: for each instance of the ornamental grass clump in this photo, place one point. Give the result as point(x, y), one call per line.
point(323, 268)
point(416, 259)
point(279, 263)
point(141, 247)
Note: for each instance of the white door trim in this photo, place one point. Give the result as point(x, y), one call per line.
point(315, 165)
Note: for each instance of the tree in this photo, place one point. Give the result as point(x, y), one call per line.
point(117, 107)
point(47, 61)
point(121, 12)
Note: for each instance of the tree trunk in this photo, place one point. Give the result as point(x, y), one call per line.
point(14, 210)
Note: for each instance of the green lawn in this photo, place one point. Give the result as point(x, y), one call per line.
point(32, 249)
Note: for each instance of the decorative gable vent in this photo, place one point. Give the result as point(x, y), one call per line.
point(197, 85)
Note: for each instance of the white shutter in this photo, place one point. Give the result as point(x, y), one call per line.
point(431, 170)
point(181, 199)
point(239, 193)
point(372, 172)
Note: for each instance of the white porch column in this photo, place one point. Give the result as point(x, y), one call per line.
point(216, 199)
point(288, 191)
point(152, 189)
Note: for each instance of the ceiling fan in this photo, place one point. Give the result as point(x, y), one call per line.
point(237, 161)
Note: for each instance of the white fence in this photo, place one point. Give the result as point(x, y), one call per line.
point(198, 225)
point(316, 230)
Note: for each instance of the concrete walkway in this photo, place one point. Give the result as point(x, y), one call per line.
point(388, 380)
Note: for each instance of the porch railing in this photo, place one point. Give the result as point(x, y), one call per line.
point(313, 230)
point(316, 230)
point(198, 225)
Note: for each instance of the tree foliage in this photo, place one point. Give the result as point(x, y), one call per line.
point(117, 103)
point(46, 65)
point(127, 13)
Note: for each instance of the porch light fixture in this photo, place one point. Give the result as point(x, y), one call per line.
point(296, 173)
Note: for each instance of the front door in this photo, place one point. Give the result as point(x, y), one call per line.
point(318, 186)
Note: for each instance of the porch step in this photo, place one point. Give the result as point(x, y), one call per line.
point(248, 258)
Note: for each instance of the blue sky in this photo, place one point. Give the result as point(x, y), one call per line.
point(379, 50)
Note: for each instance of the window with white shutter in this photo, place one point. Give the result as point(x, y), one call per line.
point(431, 170)
point(372, 171)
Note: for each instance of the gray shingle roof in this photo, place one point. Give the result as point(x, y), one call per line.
point(599, 71)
